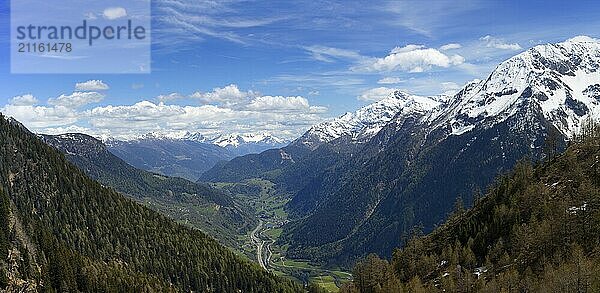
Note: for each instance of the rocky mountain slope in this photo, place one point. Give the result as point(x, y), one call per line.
point(535, 230)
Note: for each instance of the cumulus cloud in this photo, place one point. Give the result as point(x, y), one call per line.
point(40, 116)
point(407, 48)
point(231, 97)
point(411, 58)
point(24, 100)
point(279, 115)
point(376, 94)
point(140, 111)
point(390, 80)
point(233, 110)
point(492, 42)
point(76, 99)
point(69, 129)
point(91, 85)
point(451, 46)
point(112, 13)
point(227, 95)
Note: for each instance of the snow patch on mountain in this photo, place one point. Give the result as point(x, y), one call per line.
point(363, 124)
point(230, 140)
point(235, 140)
point(560, 79)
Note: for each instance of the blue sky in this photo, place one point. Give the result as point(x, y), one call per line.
point(281, 66)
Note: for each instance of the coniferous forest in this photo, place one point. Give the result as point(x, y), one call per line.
point(537, 229)
point(63, 232)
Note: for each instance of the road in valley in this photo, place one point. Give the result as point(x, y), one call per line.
point(255, 236)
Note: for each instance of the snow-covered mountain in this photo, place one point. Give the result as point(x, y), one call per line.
point(367, 121)
point(414, 168)
point(561, 81)
point(236, 139)
point(157, 135)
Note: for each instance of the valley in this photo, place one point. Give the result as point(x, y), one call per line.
point(262, 243)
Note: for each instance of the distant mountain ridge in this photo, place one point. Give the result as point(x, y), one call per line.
point(187, 154)
point(222, 140)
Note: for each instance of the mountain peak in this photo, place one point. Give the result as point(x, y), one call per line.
point(582, 39)
point(368, 120)
point(560, 79)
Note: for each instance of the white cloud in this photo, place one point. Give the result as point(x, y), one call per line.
point(411, 58)
point(390, 80)
point(407, 48)
point(583, 39)
point(69, 129)
point(170, 97)
point(283, 116)
point(279, 104)
point(279, 115)
point(328, 54)
point(140, 111)
point(451, 46)
point(24, 100)
point(91, 85)
point(187, 22)
point(376, 94)
point(112, 13)
point(228, 95)
point(430, 18)
point(76, 99)
point(492, 42)
point(40, 116)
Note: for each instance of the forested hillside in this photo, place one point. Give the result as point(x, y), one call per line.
point(62, 231)
point(196, 204)
point(536, 230)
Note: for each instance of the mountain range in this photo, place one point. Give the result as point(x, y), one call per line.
point(369, 181)
point(359, 182)
point(187, 155)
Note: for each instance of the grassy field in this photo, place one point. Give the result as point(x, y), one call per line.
point(274, 233)
point(326, 282)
